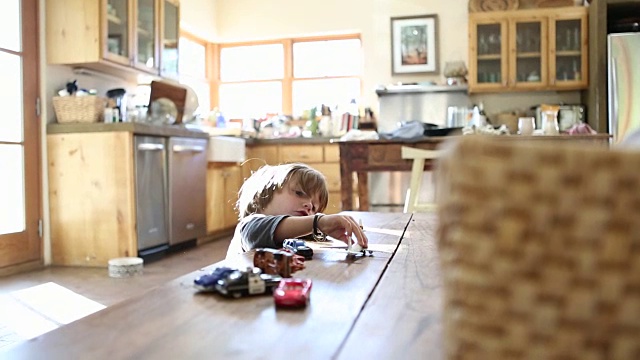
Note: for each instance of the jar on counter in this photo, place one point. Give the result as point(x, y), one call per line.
point(550, 122)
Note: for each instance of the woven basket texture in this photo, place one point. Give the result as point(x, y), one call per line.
point(83, 109)
point(540, 251)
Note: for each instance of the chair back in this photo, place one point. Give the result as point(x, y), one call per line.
point(540, 250)
point(419, 156)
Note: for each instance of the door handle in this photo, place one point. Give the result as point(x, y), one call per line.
point(150, 147)
point(188, 148)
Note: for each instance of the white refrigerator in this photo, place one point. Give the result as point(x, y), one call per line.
point(623, 52)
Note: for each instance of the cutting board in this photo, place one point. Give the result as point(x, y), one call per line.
point(177, 94)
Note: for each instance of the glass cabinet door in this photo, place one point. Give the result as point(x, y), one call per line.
point(170, 37)
point(569, 46)
point(117, 41)
point(146, 35)
point(491, 55)
point(529, 42)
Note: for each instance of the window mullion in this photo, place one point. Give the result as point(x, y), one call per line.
point(287, 81)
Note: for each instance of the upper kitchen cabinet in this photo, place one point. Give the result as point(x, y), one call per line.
point(119, 37)
point(528, 50)
point(170, 35)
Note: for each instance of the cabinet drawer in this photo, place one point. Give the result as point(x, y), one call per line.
point(332, 173)
point(332, 153)
point(301, 153)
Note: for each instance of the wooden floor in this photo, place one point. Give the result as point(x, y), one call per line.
point(95, 283)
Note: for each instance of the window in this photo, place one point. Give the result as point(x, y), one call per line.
point(258, 78)
point(193, 71)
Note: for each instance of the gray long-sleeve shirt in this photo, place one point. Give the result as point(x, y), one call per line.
point(255, 231)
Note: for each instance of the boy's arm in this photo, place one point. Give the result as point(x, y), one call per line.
point(340, 227)
point(258, 231)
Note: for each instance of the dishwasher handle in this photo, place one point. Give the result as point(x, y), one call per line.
point(188, 148)
point(150, 147)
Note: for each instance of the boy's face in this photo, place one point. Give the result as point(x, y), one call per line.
point(292, 200)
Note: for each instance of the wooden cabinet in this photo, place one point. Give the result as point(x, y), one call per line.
point(119, 37)
point(223, 183)
point(323, 157)
point(91, 197)
point(528, 50)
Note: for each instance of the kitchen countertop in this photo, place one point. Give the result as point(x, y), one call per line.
point(136, 128)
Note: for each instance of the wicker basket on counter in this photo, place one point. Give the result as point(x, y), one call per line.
point(540, 251)
point(79, 109)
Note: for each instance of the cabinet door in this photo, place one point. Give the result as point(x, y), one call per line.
point(568, 50)
point(118, 31)
point(223, 184)
point(146, 35)
point(528, 49)
point(488, 58)
point(170, 35)
point(233, 181)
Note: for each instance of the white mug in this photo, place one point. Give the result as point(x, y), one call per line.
point(526, 125)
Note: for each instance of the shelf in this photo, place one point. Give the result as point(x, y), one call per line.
point(490, 57)
point(529, 55)
point(407, 89)
point(569, 53)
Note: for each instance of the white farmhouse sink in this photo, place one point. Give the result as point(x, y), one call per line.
point(226, 149)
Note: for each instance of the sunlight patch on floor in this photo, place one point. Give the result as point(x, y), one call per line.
point(31, 312)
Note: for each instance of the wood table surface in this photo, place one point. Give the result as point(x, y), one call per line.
point(364, 156)
point(383, 306)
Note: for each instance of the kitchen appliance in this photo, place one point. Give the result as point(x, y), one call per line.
point(623, 52)
point(400, 104)
point(568, 115)
point(117, 100)
point(151, 215)
point(187, 189)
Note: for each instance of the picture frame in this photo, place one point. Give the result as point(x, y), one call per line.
point(414, 44)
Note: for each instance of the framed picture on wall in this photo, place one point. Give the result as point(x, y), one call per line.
point(414, 47)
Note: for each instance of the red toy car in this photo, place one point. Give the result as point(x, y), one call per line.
point(292, 293)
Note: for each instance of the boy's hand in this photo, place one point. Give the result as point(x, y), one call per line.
point(341, 227)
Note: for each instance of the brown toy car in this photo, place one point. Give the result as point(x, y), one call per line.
point(277, 262)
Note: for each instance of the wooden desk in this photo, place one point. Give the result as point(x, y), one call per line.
point(366, 156)
point(385, 306)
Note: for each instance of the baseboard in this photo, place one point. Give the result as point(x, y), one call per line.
point(24, 267)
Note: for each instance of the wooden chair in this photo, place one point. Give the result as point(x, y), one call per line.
point(539, 249)
point(418, 156)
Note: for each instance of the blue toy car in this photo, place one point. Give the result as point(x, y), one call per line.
point(208, 281)
point(298, 247)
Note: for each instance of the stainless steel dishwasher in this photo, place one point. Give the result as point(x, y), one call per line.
point(151, 203)
point(187, 189)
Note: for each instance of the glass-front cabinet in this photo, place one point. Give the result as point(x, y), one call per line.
point(540, 49)
point(117, 37)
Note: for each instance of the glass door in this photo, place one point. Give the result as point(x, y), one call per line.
point(569, 51)
point(170, 37)
point(19, 134)
point(118, 47)
point(528, 43)
point(488, 64)
point(146, 35)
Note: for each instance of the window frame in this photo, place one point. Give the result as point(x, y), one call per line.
point(288, 78)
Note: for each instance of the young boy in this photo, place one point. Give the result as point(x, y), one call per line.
point(283, 202)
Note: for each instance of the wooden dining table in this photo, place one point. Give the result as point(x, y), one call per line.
point(362, 157)
point(385, 306)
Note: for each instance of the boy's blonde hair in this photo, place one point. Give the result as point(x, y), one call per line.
point(257, 191)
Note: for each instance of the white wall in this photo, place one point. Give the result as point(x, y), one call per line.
point(198, 17)
point(243, 20)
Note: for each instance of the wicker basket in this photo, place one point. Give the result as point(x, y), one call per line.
point(540, 251)
point(83, 109)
